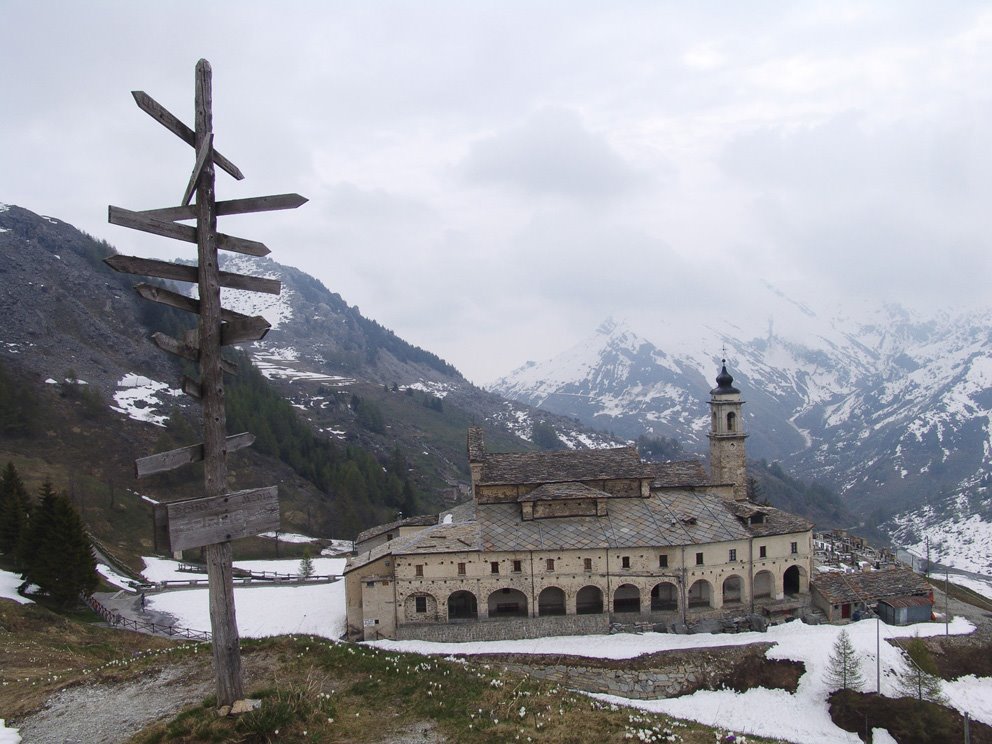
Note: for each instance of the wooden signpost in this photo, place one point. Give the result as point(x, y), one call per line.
point(215, 519)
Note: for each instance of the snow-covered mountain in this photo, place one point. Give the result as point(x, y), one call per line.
point(892, 409)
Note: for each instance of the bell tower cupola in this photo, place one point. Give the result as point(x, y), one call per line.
point(727, 459)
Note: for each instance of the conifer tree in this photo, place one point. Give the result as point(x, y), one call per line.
point(59, 555)
point(920, 678)
point(844, 670)
point(306, 564)
point(15, 514)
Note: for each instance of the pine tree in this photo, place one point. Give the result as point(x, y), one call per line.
point(844, 670)
point(920, 678)
point(59, 555)
point(306, 564)
point(15, 514)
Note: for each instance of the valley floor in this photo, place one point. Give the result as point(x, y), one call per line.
point(801, 716)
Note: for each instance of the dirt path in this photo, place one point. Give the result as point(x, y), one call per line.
point(113, 713)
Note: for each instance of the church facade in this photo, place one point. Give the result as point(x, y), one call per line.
point(571, 542)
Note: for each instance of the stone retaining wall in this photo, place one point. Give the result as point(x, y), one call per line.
point(506, 629)
point(662, 675)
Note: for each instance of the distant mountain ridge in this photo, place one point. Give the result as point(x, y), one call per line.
point(891, 409)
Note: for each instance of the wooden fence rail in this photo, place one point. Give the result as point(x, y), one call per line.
point(117, 620)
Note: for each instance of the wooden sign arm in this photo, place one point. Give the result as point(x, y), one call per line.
point(172, 122)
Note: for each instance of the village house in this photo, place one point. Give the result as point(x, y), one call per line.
point(899, 595)
point(569, 542)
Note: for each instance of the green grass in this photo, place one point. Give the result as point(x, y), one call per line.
point(335, 692)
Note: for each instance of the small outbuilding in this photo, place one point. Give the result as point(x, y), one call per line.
point(845, 596)
point(905, 610)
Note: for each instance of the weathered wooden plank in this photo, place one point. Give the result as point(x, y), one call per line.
point(172, 122)
point(181, 301)
point(183, 273)
point(239, 331)
point(231, 206)
point(165, 461)
point(139, 221)
point(145, 222)
point(206, 148)
point(152, 267)
point(193, 523)
point(191, 387)
point(187, 350)
point(242, 245)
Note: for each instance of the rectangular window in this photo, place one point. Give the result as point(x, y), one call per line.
point(419, 568)
point(662, 561)
point(421, 604)
point(516, 567)
point(733, 555)
point(699, 559)
point(461, 569)
point(550, 564)
point(494, 567)
point(587, 564)
point(762, 552)
point(794, 548)
point(625, 562)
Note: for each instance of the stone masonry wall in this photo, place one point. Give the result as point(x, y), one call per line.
point(662, 675)
point(505, 629)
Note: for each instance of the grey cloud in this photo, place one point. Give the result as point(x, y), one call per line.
point(552, 153)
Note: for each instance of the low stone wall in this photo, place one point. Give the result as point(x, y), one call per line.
point(505, 629)
point(661, 675)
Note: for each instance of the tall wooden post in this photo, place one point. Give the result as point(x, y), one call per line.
point(217, 517)
point(223, 620)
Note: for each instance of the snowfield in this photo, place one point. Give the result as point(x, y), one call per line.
point(8, 589)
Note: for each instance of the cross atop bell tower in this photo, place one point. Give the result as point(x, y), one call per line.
point(727, 459)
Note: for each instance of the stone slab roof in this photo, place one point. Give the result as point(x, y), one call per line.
point(423, 520)
point(676, 474)
point(564, 491)
point(453, 537)
point(565, 466)
point(632, 522)
point(776, 521)
point(869, 586)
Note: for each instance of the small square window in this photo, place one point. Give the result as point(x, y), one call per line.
point(662, 561)
point(419, 569)
point(494, 567)
point(550, 564)
point(733, 555)
point(625, 561)
point(516, 567)
point(587, 564)
point(762, 551)
point(699, 559)
point(421, 604)
point(461, 569)
point(794, 548)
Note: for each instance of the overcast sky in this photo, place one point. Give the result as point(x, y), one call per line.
point(492, 180)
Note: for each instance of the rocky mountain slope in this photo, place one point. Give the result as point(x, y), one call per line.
point(891, 409)
point(76, 344)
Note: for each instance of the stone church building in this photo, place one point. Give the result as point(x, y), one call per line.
point(556, 543)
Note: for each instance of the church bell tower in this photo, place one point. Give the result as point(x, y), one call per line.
point(727, 461)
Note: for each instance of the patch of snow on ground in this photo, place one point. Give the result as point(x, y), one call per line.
point(113, 578)
point(163, 569)
point(758, 711)
point(8, 587)
point(971, 695)
point(138, 398)
point(289, 537)
point(8, 735)
point(273, 364)
point(337, 547)
point(317, 609)
point(437, 389)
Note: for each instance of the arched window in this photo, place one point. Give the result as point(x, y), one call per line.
point(731, 421)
